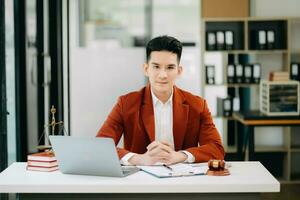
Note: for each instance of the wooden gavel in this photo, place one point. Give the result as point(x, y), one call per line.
point(216, 165)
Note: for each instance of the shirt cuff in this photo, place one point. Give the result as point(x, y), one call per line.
point(124, 159)
point(190, 157)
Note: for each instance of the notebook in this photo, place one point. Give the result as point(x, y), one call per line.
point(89, 156)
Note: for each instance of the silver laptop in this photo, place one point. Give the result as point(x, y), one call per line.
point(89, 156)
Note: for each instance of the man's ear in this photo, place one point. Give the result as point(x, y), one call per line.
point(145, 68)
point(180, 69)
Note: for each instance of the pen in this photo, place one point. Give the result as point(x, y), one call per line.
point(170, 168)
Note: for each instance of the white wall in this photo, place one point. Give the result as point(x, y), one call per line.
point(97, 78)
point(190, 79)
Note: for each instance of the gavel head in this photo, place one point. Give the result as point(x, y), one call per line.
point(216, 165)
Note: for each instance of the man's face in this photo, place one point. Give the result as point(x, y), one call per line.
point(162, 70)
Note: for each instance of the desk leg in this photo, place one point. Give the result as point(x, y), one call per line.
point(240, 141)
point(245, 146)
point(251, 142)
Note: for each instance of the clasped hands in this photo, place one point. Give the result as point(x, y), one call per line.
point(158, 152)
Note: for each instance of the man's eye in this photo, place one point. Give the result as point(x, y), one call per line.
point(155, 66)
point(170, 67)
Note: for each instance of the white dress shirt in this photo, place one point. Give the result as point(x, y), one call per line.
point(163, 115)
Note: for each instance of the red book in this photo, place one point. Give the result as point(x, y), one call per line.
point(42, 169)
point(43, 156)
point(42, 163)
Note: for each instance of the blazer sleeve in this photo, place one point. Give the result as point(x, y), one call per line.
point(210, 145)
point(113, 126)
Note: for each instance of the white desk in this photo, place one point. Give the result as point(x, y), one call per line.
point(247, 181)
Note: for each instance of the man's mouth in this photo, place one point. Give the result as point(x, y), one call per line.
point(162, 82)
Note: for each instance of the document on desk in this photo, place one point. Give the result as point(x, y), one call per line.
point(177, 170)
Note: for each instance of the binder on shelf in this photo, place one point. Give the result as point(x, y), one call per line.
point(256, 75)
point(230, 73)
point(236, 104)
point(248, 73)
point(294, 71)
point(210, 40)
point(239, 73)
point(210, 74)
point(224, 107)
point(270, 39)
point(220, 40)
point(262, 39)
point(229, 40)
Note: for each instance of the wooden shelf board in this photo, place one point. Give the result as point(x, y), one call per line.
point(223, 117)
point(223, 19)
point(296, 51)
point(289, 181)
point(231, 19)
point(295, 149)
point(264, 52)
point(241, 84)
point(267, 51)
point(231, 149)
point(234, 84)
point(270, 149)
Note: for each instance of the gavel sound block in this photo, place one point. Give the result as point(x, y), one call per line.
point(217, 168)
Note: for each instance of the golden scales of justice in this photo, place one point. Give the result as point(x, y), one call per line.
point(53, 124)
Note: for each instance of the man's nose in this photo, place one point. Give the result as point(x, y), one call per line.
point(163, 73)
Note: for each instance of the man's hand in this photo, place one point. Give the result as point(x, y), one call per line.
point(158, 152)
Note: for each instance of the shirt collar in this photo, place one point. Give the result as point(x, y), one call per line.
point(155, 100)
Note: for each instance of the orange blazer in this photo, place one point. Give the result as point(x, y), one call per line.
point(193, 128)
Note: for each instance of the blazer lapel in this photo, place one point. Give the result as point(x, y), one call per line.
point(147, 114)
point(180, 118)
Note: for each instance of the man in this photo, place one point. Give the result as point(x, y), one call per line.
point(162, 123)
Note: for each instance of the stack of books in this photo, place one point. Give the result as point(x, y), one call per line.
point(43, 161)
point(279, 76)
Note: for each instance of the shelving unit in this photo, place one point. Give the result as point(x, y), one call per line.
point(245, 49)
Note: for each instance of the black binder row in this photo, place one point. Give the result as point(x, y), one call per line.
point(295, 71)
point(249, 73)
point(265, 39)
point(225, 106)
point(238, 73)
point(219, 40)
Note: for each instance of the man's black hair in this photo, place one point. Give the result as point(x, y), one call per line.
point(164, 43)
